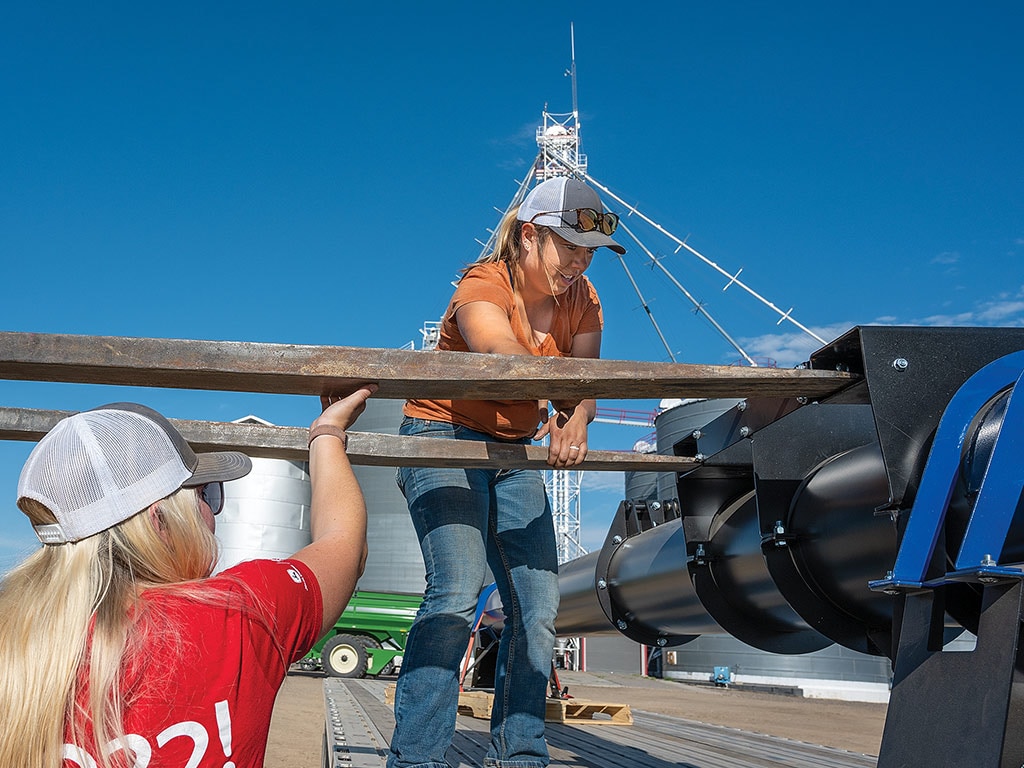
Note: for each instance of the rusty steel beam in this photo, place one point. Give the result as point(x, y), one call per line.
point(364, 448)
point(237, 366)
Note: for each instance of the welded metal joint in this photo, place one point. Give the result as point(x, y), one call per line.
point(891, 589)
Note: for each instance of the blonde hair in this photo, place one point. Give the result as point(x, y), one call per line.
point(508, 240)
point(74, 615)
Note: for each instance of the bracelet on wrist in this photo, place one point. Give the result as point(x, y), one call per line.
point(328, 429)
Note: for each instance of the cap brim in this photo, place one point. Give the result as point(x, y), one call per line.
point(219, 468)
point(592, 239)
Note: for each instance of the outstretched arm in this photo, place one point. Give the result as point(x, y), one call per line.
point(337, 554)
point(486, 328)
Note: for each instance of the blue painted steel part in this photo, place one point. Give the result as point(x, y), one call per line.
point(940, 475)
point(1000, 491)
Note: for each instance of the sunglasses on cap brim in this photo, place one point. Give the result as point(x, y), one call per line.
point(587, 220)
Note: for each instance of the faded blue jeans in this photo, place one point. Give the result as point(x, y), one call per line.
point(466, 520)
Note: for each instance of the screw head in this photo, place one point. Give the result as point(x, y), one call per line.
point(621, 624)
point(901, 363)
point(602, 584)
point(662, 642)
point(616, 539)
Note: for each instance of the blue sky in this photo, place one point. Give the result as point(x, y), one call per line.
point(316, 173)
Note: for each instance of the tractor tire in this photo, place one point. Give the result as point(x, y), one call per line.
point(344, 656)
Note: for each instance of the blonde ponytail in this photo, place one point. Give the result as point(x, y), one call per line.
point(508, 240)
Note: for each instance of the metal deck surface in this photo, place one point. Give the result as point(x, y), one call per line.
point(361, 724)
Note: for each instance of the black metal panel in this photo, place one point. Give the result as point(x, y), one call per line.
point(909, 375)
point(957, 709)
point(740, 421)
point(785, 455)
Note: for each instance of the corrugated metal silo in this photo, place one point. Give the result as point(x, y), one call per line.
point(394, 563)
point(266, 513)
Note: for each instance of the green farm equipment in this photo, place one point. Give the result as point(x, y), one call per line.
point(368, 638)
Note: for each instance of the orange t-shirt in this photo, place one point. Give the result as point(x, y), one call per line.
point(578, 311)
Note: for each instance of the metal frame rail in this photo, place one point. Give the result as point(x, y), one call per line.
point(291, 369)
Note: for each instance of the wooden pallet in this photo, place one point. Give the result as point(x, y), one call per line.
point(479, 704)
point(476, 704)
point(589, 712)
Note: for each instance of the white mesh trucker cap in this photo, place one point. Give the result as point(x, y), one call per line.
point(557, 197)
point(97, 468)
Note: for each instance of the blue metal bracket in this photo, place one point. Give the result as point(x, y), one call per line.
point(997, 499)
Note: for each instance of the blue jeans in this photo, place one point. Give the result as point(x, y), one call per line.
point(467, 520)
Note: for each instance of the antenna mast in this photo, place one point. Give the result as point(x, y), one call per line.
point(572, 74)
point(558, 140)
point(558, 137)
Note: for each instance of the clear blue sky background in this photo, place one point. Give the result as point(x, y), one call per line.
point(317, 172)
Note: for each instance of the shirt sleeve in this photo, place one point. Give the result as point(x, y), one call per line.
point(592, 318)
point(482, 283)
point(288, 596)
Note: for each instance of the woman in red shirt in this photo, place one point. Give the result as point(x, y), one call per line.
point(119, 648)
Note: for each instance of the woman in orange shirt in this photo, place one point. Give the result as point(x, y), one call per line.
point(528, 297)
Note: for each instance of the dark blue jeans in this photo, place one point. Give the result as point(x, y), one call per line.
point(467, 520)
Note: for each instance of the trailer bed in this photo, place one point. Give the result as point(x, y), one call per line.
point(360, 723)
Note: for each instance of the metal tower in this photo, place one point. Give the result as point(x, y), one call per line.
point(563, 488)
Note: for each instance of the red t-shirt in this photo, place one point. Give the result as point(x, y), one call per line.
point(205, 696)
point(577, 311)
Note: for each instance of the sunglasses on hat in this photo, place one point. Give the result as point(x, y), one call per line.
point(587, 220)
point(213, 495)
